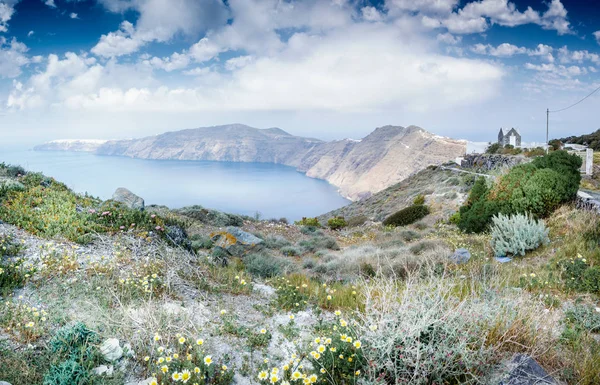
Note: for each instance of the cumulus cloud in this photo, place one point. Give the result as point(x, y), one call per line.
point(335, 71)
point(448, 38)
point(478, 16)
point(50, 3)
point(159, 21)
point(12, 57)
point(597, 36)
point(6, 12)
point(73, 15)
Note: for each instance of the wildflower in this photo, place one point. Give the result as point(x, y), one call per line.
point(328, 341)
point(291, 316)
point(274, 378)
point(223, 367)
point(357, 373)
point(181, 340)
point(275, 370)
point(223, 311)
point(263, 375)
point(156, 337)
point(266, 360)
point(147, 358)
point(373, 327)
point(286, 367)
point(532, 275)
point(196, 370)
point(153, 382)
point(176, 376)
point(160, 349)
point(341, 356)
point(329, 298)
point(263, 331)
point(313, 378)
point(317, 340)
point(188, 357)
point(353, 292)
point(332, 349)
point(338, 313)
point(169, 359)
point(343, 323)
point(175, 356)
point(164, 368)
point(348, 339)
point(185, 375)
point(349, 359)
point(321, 349)
point(296, 375)
point(199, 341)
point(357, 344)
point(161, 360)
point(323, 370)
point(208, 360)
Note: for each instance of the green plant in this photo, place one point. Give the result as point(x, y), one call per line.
point(313, 222)
point(68, 372)
point(337, 223)
point(584, 318)
point(266, 266)
point(318, 242)
point(290, 296)
point(419, 200)
point(407, 216)
point(358, 220)
point(455, 218)
point(290, 251)
point(579, 275)
point(517, 234)
point(259, 339)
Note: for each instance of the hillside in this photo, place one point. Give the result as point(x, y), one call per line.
point(444, 190)
point(591, 140)
point(100, 293)
point(358, 168)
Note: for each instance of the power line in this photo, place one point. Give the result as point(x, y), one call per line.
point(573, 105)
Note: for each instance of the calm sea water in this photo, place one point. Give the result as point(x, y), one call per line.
point(243, 188)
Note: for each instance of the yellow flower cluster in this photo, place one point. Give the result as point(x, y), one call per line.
point(26, 323)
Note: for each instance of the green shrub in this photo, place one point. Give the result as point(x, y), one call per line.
point(290, 296)
point(584, 318)
point(455, 218)
point(291, 251)
point(337, 223)
point(9, 185)
point(13, 274)
point(76, 341)
point(11, 170)
point(276, 242)
point(407, 216)
point(358, 220)
point(200, 241)
point(517, 234)
point(317, 243)
point(407, 236)
point(310, 230)
point(538, 187)
point(419, 200)
point(579, 275)
point(266, 266)
point(69, 372)
point(313, 222)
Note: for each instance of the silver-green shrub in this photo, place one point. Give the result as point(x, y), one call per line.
point(517, 234)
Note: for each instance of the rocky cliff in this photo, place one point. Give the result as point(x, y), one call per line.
point(82, 145)
point(358, 168)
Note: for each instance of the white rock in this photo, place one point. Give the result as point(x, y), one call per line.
point(111, 350)
point(103, 369)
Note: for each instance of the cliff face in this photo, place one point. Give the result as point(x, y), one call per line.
point(359, 168)
point(80, 145)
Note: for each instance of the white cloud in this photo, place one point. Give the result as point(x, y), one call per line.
point(597, 36)
point(50, 3)
point(478, 16)
point(448, 38)
point(6, 12)
point(118, 43)
point(371, 14)
point(30, 33)
point(73, 15)
point(508, 50)
point(159, 20)
point(238, 62)
point(12, 57)
point(333, 71)
point(174, 62)
point(560, 70)
point(566, 56)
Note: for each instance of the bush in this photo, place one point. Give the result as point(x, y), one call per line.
point(266, 266)
point(318, 242)
point(517, 234)
point(201, 242)
point(313, 222)
point(419, 200)
point(358, 220)
point(290, 251)
point(407, 216)
point(11, 170)
point(538, 187)
point(579, 275)
point(583, 318)
point(6, 186)
point(276, 242)
point(337, 223)
point(69, 372)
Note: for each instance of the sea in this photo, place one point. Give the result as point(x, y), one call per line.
point(254, 189)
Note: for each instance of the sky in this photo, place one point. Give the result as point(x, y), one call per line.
point(331, 69)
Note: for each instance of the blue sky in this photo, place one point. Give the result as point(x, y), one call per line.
point(324, 68)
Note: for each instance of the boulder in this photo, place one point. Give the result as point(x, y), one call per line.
point(111, 350)
point(103, 370)
point(128, 198)
point(524, 370)
point(236, 242)
point(460, 256)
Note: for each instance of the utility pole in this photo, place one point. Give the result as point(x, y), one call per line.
point(547, 120)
